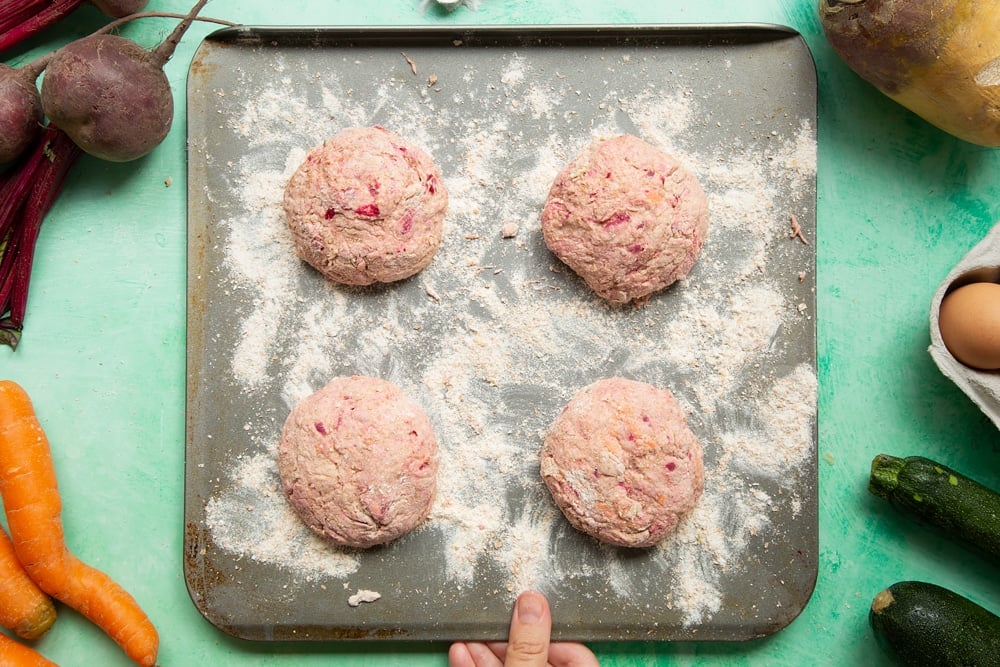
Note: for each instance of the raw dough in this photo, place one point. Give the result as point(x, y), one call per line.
point(366, 206)
point(621, 463)
point(358, 461)
point(626, 217)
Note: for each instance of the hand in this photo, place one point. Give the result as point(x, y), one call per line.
point(528, 643)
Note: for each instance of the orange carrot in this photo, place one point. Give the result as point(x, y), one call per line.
point(24, 608)
point(13, 654)
point(33, 507)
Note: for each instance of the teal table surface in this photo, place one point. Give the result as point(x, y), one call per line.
point(103, 354)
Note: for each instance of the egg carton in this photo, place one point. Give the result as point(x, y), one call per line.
point(981, 264)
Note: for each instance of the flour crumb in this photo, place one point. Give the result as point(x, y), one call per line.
point(363, 595)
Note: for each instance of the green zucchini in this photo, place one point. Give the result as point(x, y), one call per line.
point(924, 624)
point(960, 507)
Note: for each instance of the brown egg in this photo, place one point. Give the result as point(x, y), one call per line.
point(969, 321)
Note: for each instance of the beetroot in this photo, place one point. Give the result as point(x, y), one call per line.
point(115, 103)
point(110, 95)
point(119, 8)
point(20, 113)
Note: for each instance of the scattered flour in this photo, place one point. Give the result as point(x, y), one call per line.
point(495, 335)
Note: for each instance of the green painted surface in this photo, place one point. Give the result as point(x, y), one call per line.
point(103, 353)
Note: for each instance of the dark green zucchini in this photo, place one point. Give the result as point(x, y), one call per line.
point(926, 625)
point(960, 507)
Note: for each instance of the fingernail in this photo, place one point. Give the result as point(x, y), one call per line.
point(530, 608)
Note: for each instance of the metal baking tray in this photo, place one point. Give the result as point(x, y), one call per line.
point(496, 335)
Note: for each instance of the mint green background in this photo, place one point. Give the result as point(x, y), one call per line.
point(103, 354)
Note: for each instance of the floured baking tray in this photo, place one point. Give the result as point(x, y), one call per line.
point(496, 335)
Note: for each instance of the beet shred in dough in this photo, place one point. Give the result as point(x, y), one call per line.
point(366, 206)
point(358, 461)
point(621, 463)
point(626, 217)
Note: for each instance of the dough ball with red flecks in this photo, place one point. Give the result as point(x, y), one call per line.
point(627, 217)
point(358, 461)
point(366, 206)
point(622, 464)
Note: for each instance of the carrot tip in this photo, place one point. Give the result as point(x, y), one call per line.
point(41, 620)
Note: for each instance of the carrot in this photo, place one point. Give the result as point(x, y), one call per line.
point(24, 608)
point(33, 507)
point(13, 654)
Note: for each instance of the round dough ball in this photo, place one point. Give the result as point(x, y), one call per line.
point(358, 461)
point(621, 463)
point(366, 206)
point(626, 217)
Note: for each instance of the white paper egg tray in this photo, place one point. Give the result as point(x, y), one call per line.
point(981, 264)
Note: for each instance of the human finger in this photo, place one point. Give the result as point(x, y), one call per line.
point(473, 654)
point(561, 654)
point(530, 628)
point(499, 649)
point(571, 654)
point(459, 656)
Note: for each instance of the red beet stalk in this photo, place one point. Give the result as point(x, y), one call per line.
point(21, 20)
point(14, 12)
point(26, 196)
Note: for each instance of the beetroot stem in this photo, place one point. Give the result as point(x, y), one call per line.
point(38, 21)
point(109, 27)
point(14, 13)
point(26, 197)
point(162, 53)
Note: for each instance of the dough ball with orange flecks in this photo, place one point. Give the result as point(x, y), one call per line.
point(626, 217)
point(366, 206)
point(358, 461)
point(621, 463)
